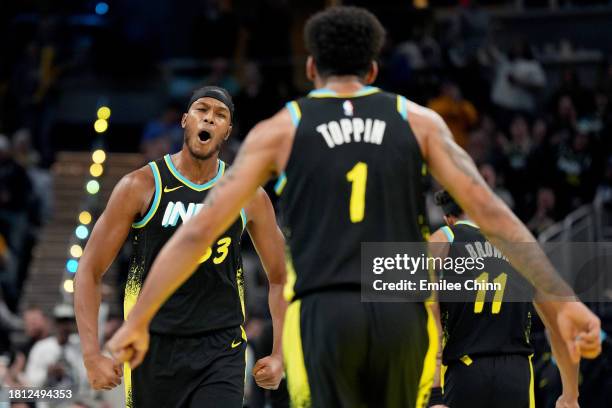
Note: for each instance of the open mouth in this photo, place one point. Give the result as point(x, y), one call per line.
point(204, 136)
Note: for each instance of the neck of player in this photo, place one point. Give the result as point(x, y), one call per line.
point(196, 170)
point(344, 84)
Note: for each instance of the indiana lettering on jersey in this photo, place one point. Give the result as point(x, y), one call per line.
point(352, 130)
point(176, 210)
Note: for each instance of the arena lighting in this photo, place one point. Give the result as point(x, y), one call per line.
point(85, 217)
point(98, 156)
point(100, 125)
point(82, 232)
point(72, 265)
point(93, 187)
point(69, 285)
point(104, 112)
point(101, 8)
point(76, 251)
point(96, 170)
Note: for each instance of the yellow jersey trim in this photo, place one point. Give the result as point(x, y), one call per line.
point(293, 353)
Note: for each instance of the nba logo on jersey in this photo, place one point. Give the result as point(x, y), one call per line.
point(348, 108)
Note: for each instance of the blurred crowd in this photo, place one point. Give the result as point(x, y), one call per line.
point(541, 142)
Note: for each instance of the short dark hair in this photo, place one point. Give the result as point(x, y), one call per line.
point(447, 203)
point(344, 40)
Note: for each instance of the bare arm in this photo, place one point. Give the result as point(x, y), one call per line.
point(270, 245)
point(456, 171)
point(264, 152)
point(568, 369)
point(107, 238)
point(438, 248)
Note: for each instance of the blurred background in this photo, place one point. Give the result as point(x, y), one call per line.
point(90, 90)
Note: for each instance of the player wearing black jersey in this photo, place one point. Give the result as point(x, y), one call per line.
point(349, 159)
point(487, 351)
point(198, 344)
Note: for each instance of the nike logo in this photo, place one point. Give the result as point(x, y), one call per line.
point(236, 343)
point(167, 190)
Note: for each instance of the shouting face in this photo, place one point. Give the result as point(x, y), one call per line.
point(207, 125)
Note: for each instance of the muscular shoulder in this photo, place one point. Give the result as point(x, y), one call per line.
point(136, 188)
point(425, 123)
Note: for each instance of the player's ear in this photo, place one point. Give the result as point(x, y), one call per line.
point(372, 73)
point(229, 132)
point(184, 120)
point(311, 69)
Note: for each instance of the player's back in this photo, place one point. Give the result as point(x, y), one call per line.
point(496, 324)
point(355, 174)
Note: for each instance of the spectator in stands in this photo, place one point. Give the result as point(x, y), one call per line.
point(572, 87)
point(15, 196)
point(37, 327)
point(460, 114)
point(544, 215)
point(163, 135)
point(518, 79)
point(575, 165)
point(566, 116)
point(517, 151)
point(22, 149)
point(56, 361)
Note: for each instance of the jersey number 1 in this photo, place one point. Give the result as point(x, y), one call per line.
point(358, 177)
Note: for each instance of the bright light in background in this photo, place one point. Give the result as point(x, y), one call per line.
point(100, 125)
point(85, 217)
point(98, 156)
point(82, 232)
point(101, 8)
point(72, 265)
point(69, 285)
point(76, 251)
point(93, 187)
point(104, 112)
point(96, 170)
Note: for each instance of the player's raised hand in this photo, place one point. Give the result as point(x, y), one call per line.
point(580, 329)
point(564, 402)
point(130, 343)
point(268, 372)
point(102, 372)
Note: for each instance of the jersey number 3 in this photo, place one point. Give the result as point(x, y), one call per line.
point(222, 251)
point(358, 176)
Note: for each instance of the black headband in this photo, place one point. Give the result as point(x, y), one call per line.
point(215, 92)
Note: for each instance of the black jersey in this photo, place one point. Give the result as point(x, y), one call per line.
point(355, 174)
point(488, 325)
point(212, 297)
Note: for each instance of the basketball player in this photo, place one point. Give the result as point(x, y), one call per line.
point(350, 159)
point(487, 350)
point(197, 342)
